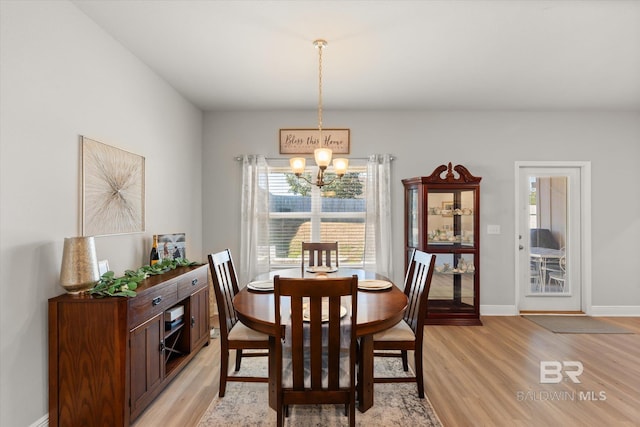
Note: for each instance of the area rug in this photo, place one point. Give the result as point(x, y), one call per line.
point(246, 404)
point(576, 325)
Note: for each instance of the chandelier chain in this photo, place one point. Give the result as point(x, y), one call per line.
point(320, 47)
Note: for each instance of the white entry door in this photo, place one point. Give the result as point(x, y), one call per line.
point(550, 255)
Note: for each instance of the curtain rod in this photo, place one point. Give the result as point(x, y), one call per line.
point(239, 158)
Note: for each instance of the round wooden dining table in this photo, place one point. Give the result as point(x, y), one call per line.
point(377, 310)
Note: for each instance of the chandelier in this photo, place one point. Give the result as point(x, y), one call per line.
point(322, 155)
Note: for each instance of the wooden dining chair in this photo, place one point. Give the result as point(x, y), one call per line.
point(319, 254)
point(408, 333)
point(233, 334)
point(315, 352)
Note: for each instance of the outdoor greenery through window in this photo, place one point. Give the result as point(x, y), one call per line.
point(299, 211)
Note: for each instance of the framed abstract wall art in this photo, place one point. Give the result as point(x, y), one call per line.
point(113, 200)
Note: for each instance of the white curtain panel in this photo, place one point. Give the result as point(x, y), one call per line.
point(378, 219)
point(254, 230)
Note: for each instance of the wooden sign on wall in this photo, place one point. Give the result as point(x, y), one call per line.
point(304, 141)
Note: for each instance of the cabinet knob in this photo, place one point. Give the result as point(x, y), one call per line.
point(194, 282)
point(156, 301)
point(193, 321)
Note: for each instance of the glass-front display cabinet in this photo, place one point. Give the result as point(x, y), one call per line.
point(442, 218)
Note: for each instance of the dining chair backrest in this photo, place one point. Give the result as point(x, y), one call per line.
point(320, 254)
point(320, 339)
point(416, 287)
point(225, 287)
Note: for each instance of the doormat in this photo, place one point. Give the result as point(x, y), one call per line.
point(576, 325)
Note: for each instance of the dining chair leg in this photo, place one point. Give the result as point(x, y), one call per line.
point(352, 415)
point(238, 359)
point(280, 416)
point(224, 370)
point(419, 377)
point(405, 360)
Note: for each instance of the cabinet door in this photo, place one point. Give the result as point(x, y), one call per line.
point(147, 367)
point(412, 219)
point(199, 317)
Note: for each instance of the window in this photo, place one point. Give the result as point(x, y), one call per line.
point(299, 212)
point(533, 202)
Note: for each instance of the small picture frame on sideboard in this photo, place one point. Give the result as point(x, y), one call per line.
point(103, 266)
point(172, 246)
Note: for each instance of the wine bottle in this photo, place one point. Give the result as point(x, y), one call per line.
point(154, 257)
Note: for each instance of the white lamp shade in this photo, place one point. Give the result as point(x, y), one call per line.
point(340, 166)
point(322, 156)
point(297, 164)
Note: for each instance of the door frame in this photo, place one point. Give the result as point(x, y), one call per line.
point(585, 225)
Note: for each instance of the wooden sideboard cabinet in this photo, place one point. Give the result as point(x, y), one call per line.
point(110, 357)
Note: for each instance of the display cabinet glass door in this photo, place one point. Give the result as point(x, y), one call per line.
point(452, 286)
point(412, 218)
point(450, 218)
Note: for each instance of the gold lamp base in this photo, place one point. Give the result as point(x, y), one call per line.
point(79, 271)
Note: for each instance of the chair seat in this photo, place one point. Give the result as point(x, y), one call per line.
point(240, 332)
point(400, 332)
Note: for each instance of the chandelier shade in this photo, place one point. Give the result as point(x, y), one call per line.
point(297, 165)
point(322, 156)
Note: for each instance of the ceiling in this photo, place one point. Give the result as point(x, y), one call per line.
point(386, 55)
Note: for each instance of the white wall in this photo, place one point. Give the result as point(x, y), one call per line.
point(61, 77)
point(488, 143)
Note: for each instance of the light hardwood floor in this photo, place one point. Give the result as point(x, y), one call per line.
point(479, 376)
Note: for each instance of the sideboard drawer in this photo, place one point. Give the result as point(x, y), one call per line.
point(157, 299)
point(190, 283)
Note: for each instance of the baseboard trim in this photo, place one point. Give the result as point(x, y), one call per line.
point(551, 313)
point(42, 422)
point(498, 310)
point(595, 311)
point(615, 311)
